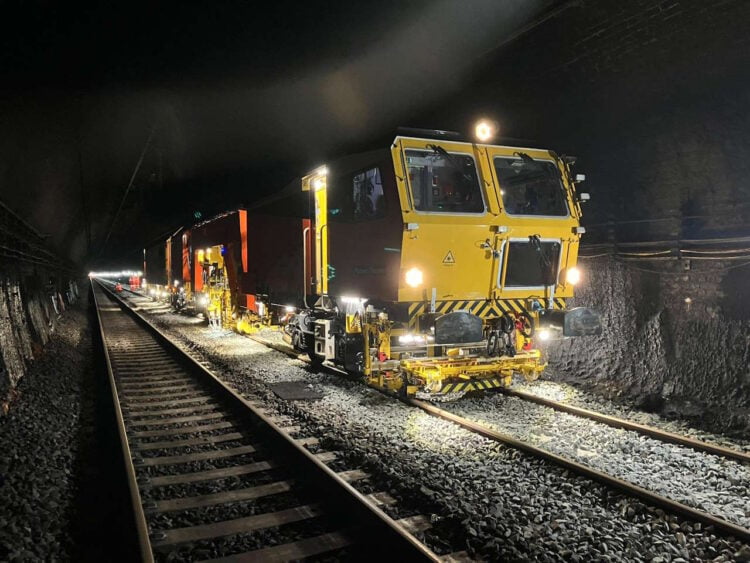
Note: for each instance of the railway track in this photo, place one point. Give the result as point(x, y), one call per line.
point(719, 524)
point(739, 532)
point(616, 422)
point(655, 499)
point(213, 476)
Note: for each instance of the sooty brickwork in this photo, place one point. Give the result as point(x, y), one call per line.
point(677, 342)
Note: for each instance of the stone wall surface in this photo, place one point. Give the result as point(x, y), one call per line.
point(673, 341)
point(651, 97)
point(31, 303)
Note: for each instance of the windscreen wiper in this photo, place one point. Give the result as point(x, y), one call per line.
point(526, 158)
point(545, 171)
point(437, 149)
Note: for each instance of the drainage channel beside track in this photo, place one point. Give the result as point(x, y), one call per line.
point(213, 476)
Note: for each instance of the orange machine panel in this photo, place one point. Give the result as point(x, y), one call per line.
point(186, 258)
point(243, 238)
point(198, 278)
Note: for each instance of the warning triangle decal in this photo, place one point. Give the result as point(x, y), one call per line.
point(449, 258)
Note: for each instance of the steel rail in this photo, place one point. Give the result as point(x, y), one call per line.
point(617, 422)
point(144, 543)
point(604, 478)
point(631, 489)
point(376, 524)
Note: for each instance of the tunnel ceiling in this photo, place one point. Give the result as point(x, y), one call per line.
point(230, 104)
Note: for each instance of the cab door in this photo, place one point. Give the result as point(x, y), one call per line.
point(448, 212)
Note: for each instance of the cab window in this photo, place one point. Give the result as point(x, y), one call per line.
point(367, 195)
point(444, 182)
point(531, 187)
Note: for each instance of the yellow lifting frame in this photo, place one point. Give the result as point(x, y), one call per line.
point(437, 371)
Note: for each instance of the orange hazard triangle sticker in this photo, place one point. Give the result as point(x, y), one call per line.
point(449, 258)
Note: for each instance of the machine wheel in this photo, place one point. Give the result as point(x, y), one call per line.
point(492, 343)
point(506, 324)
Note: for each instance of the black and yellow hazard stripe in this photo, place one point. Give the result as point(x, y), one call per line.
point(473, 385)
point(482, 308)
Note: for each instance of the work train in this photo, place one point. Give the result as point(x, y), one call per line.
point(429, 267)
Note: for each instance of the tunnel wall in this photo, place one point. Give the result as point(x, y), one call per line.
point(675, 342)
point(652, 98)
point(31, 302)
point(36, 287)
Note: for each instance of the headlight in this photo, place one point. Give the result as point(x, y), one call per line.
point(414, 277)
point(572, 276)
point(418, 339)
point(543, 334)
point(406, 339)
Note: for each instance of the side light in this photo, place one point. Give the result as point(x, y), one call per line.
point(414, 277)
point(572, 276)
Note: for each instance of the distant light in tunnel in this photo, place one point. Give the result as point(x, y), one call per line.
point(121, 273)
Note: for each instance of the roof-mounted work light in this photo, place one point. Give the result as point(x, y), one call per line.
point(485, 130)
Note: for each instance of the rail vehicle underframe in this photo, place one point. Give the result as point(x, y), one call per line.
point(366, 342)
